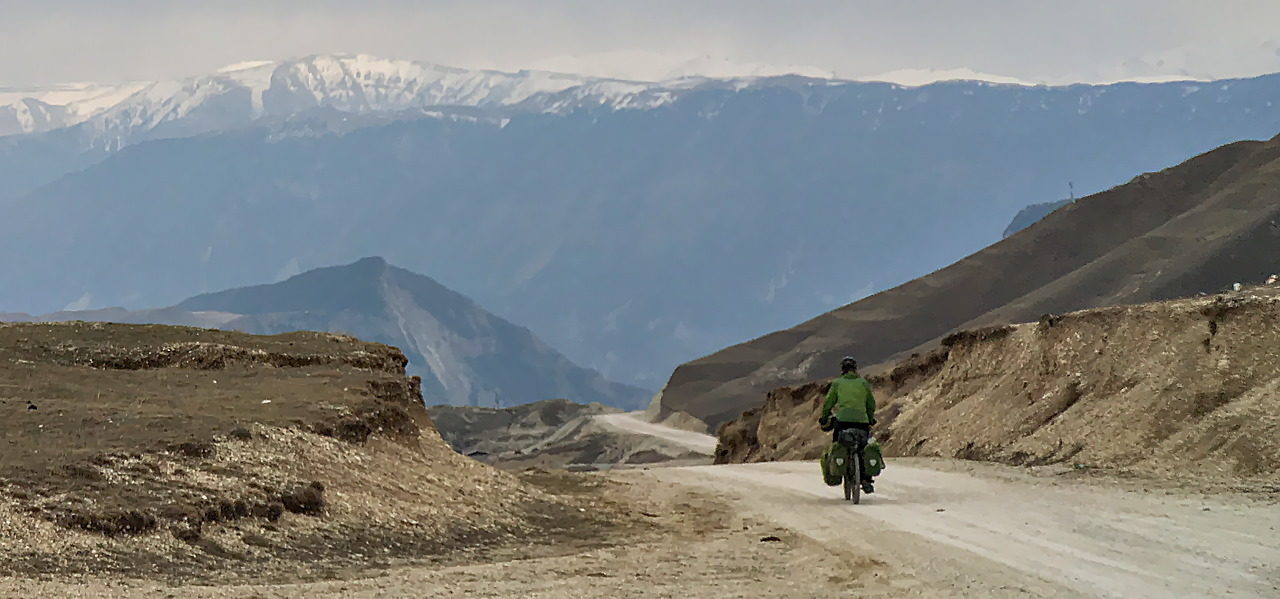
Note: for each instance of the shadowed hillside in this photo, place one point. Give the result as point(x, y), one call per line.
point(1196, 227)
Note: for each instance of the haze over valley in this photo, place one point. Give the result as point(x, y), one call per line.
point(639, 299)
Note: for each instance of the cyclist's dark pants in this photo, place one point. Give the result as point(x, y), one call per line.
point(839, 426)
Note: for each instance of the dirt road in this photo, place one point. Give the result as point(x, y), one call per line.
point(1056, 534)
point(1032, 535)
point(935, 528)
point(634, 423)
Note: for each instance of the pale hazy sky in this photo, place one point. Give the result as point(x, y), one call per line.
point(46, 41)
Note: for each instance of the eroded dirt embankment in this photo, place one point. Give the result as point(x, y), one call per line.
point(194, 454)
point(1178, 387)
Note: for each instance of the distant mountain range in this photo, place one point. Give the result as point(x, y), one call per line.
point(1198, 227)
point(464, 355)
point(91, 122)
point(238, 94)
point(631, 225)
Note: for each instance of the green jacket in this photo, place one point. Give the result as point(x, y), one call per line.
point(850, 396)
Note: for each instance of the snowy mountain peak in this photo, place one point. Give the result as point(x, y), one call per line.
point(240, 93)
point(38, 109)
point(360, 83)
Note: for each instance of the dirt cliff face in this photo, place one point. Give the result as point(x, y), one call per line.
point(169, 452)
point(783, 428)
point(1180, 387)
point(1196, 227)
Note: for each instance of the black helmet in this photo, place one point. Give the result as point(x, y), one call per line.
point(848, 364)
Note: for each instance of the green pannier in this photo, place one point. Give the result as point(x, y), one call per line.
point(872, 459)
point(832, 462)
point(832, 473)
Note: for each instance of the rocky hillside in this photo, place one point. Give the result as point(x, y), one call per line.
point(488, 433)
point(630, 235)
point(171, 452)
point(464, 355)
point(556, 434)
point(1184, 388)
point(1194, 228)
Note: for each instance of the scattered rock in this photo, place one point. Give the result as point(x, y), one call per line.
point(127, 522)
point(257, 541)
point(188, 533)
point(193, 449)
point(272, 511)
point(305, 499)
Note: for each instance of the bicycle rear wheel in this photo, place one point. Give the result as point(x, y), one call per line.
point(853, 481)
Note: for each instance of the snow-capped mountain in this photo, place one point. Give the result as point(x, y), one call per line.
point(365, 84)
point(29, 115)
point(39, 109)
point(113, 116)
point(358, 84)
point(46, 133)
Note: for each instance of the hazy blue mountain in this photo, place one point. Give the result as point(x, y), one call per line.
point(1031, 214)
point(465, 355)
point(630, 238)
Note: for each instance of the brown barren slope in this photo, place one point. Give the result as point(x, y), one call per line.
point(181, 453)
point(1196, 227)
point(1184, 388)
